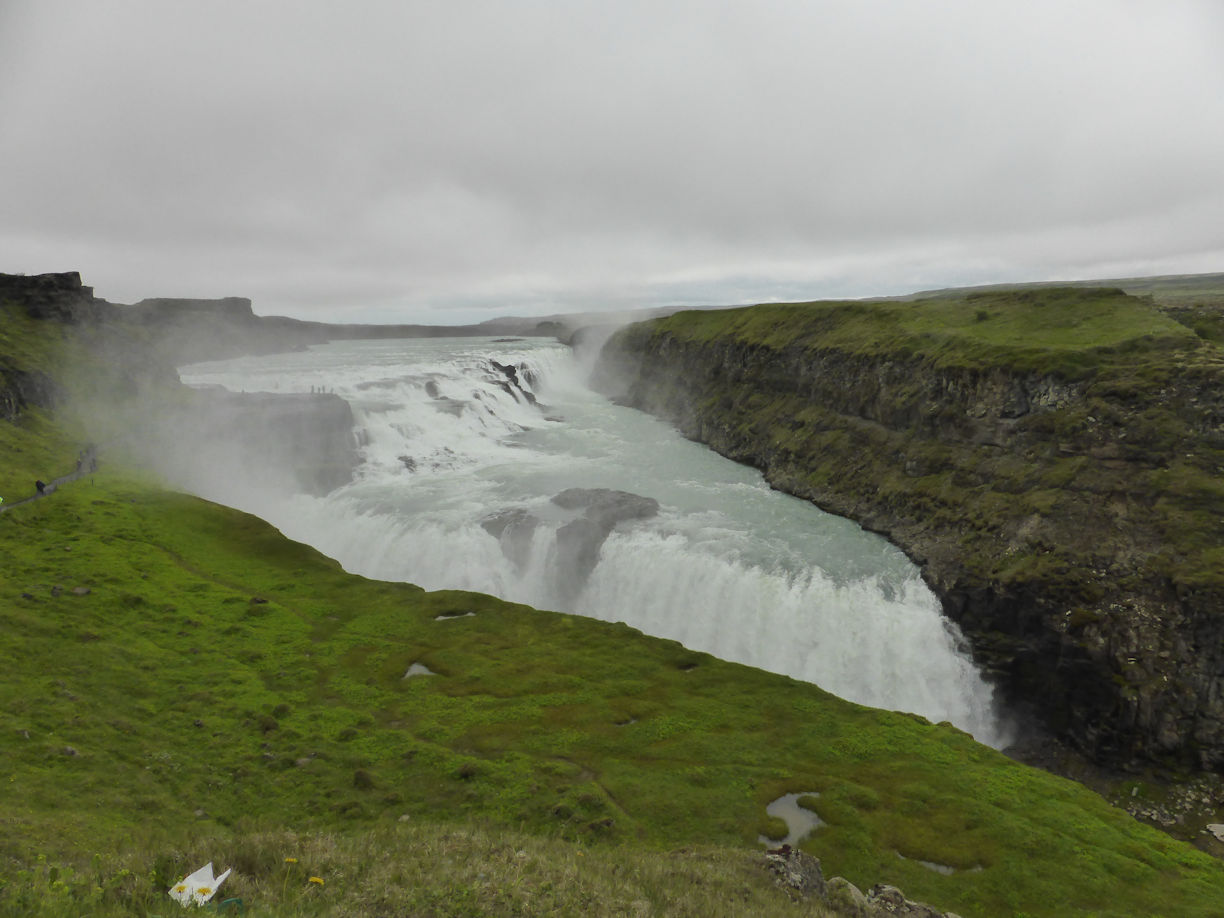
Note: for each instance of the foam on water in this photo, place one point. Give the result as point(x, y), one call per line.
point(449, 437)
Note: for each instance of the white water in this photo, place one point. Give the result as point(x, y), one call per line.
point(728, 566)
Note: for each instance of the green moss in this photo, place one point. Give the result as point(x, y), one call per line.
point(1070, 332)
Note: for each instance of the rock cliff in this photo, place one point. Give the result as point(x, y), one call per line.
point(59, 297)
point(112, 367)
point(59, 300)
point(218, 442)
point(1051, 460)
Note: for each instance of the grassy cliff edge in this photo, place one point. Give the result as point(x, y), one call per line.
point(1051, 457)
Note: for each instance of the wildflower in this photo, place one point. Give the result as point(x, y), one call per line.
point(197, 888)
point(318, 880)
point(291, 860)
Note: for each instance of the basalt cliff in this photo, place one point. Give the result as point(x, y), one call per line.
point(112, 367)
point(1052, 460)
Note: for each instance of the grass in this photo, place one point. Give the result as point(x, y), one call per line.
point(1066, 330)
point(433, 869)
point(217, 675)
point(183, 684)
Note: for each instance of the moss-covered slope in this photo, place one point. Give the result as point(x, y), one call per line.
point(1051, 456)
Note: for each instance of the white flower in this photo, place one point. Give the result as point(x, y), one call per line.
point(197, 888)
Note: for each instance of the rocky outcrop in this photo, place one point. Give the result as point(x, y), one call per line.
point(256, 441)
point(579, 541)
point(591, 515)
point(57, 297)
point(111, 367)
point(1069, 521)
point(20, 389)
point(801, 873)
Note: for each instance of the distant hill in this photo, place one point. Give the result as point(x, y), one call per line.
point(1165, 289)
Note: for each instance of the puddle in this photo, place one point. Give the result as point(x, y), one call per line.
point(418, 669)
point(799, 822)
point(945, 869)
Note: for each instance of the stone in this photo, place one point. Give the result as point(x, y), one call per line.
point(883, 899)
point(845, 898)
point(797, 870)
point(579, 541)
point(514, 529)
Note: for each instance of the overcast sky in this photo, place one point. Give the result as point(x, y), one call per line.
point(451, 161)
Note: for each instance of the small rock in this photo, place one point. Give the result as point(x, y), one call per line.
point(888, 900)
point(404, 817)
point(845, 898)
point(200, 814)
point(68, 750)
point(81, 591)
point(1216, 829)
point(797, 870)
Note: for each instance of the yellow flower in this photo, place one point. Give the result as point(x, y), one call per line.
point(318, 880)
point(291, 860)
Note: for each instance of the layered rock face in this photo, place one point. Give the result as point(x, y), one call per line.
point(113, 366)
point(20, 389)
point(1070, 523)
point(283, 443)
point(592, 515)
point(59, 297)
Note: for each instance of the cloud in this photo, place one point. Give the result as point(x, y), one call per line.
point(411, 161)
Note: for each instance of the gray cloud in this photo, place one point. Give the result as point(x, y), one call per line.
point(430, 162)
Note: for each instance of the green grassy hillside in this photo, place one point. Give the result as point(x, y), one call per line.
point(182, 683)
point(1064, 330)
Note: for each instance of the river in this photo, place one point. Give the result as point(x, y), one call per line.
point(467, 444)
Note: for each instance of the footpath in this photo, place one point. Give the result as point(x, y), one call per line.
point(86, 464)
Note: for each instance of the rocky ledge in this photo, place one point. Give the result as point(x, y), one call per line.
point(104, 363)
point(254, 441)
point(1064, 504)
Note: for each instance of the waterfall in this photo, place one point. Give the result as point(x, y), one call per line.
point(489, 466)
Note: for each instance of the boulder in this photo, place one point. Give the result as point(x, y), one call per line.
point(796, 870)
point(579, 542)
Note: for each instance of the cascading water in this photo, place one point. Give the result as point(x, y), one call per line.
point(488, 465)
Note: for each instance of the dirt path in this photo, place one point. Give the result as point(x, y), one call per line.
point(87, 464)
